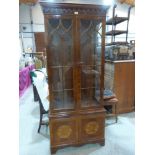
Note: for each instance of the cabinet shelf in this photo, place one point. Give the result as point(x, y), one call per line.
point(60, 90)
point(63, 105)
point(51, 67)
point(117, 43)
point(116, 20)
point(91, 72)
point(73, 65)
point(115, 32)
point(88, 88)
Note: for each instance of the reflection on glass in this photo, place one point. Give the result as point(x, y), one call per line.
point(58, 100)
point(90, 41)
point(68, 99)
point(90, 85)
point(68, 77)
point(61, 61)
point(57, 79)
point(88, 97)
point(62, 87)
point(90, 56)
point(63, 100)
point(60, 33)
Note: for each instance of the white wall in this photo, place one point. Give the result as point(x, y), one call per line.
point(38, 20)
point(25, 21)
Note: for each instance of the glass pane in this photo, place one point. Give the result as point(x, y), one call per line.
point(61, 45)
point(63, 100)
point(62, 88)
point(57, 79)
point(90, 41)
point(58, 100)
point(68, 77)
point(90, 85)
point(88, 97)
point(89, 76)
point(60, 35)
point(90, 56)
point(68, 99)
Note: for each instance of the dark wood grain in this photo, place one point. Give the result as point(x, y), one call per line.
point(40, 41)
point(72, 67)
point(122, 81)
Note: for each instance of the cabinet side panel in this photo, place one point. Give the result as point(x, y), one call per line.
point(124, 86)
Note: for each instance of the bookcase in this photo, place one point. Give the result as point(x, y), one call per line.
point(75, 44)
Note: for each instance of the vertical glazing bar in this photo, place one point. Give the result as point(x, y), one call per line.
point(77, 60)
point(102, 57)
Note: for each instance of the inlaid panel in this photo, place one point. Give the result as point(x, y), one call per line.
point(92, 127)
point(64, 131)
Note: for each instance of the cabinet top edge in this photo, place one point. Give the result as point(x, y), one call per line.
point(119, 61)
point(49, 5)
point(81, 5)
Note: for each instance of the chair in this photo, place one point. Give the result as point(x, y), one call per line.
point(35, 96)
point(110, 104)
point(34, 73)
point(41, 87)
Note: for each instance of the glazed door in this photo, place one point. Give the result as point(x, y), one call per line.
point(60, 54)
point(91, 60)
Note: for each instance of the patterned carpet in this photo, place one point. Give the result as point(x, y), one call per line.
point(119, 138)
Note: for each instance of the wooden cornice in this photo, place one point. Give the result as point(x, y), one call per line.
point(63, 8)
point(129, 2)
point(28, 1)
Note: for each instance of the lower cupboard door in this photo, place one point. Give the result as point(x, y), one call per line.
point(91, 128)
point(63, 131)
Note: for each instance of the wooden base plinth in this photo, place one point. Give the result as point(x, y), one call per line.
point(55, 149)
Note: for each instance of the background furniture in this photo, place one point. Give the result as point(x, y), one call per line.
point(110, 104)
point(75, 52)
point(24, 79)
point(111, 107)
point(34, 74)
point(120, 77)
point(113, 22)
point(35, 94)
point(39, 41)
point(39, 59)
point(28, 1)
point(129, 2)
point(41, 90)
point(118, 48)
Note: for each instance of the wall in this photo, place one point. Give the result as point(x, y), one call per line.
point(38, 21)
point(25, 21)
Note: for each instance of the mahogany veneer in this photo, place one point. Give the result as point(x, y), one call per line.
point(75, 48)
